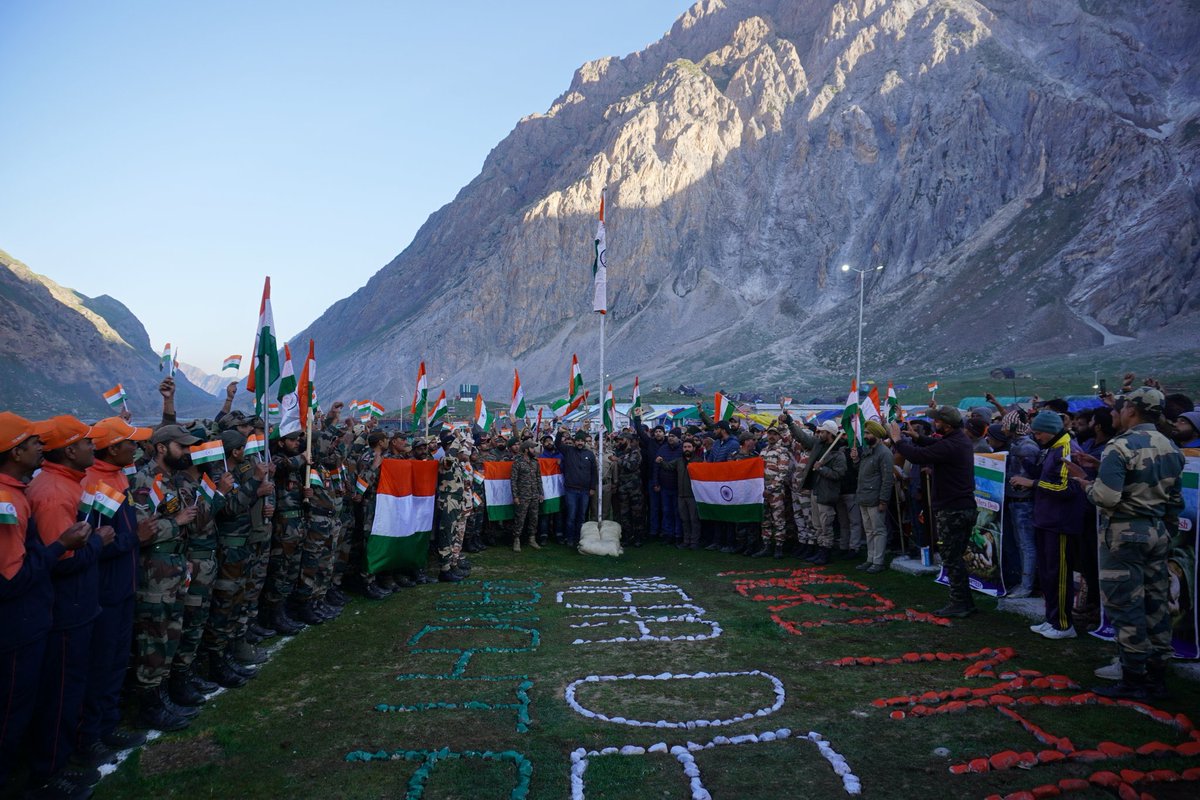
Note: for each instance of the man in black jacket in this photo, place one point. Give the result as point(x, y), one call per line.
point(580, 476)
point(953, 463)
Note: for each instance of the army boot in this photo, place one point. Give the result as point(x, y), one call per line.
point(182, 692)
point(222, 674)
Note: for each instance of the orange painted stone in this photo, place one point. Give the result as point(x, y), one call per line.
point(1006, 759)
point(1188, 749)
point(1114, 750)
point(1050, 756)
point(1046, 790)
point(1156, 749)
point(897, 715)
point(1106, 778)
point(1132, 775)
point(1088, 755)
point(978, 765)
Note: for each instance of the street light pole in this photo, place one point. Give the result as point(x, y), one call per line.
point(862, 286)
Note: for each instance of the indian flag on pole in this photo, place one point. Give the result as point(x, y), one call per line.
point(264, 369)
point(933, 387)
point(438, 412)
point(635, 409)
point(723, 407)
point(871, 408)
point(421, 395)
point(87, 500)
point(175, 363)
point(497, 488)
point(115, 396)
point(576, 385)
point(255, 444)
point(606, 410)
point(375, 409)
point(208, 488)
point(307, 388)
point(157, 492)
point(232, 362)
point(404, 502)
point(894, 412)
point(164, 360)
point(852, 416)
point(107, 499)
point(516, 406)
point(552, 484)
point(729, 491)
point(600, 266)
point(289, 402)
point(207, 452)
point(483, 417)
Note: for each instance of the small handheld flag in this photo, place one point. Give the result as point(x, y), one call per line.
point(516, 407)
point(164, 360)
point(439, 409)
point(87, 500)
point(723, 407)
point(635, 410)
point(208, 488)
point(8, 510)
point(314, 479)
point(362, 485)
point(232, 362)
point(255, 444)
point(933, 387)
point(107, 500)
point(421, 394)
point(157, 492)
point(207, 452)
point(115, 396)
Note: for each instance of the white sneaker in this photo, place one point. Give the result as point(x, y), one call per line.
point(1040, 627)
point(1110, 671)
point(1052, 632)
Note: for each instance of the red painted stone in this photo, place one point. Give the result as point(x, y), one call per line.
point(1114, 750)
point(1050, 756)
point(1155, 749)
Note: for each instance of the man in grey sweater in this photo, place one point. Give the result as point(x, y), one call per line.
point(875, 482)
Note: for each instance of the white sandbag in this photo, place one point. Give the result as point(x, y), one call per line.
point(594, 541)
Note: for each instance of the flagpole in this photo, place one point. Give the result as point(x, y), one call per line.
point(600, 456)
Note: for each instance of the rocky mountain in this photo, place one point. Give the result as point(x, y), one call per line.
point(59, 350)
point(205, 382)
point(1025, 171)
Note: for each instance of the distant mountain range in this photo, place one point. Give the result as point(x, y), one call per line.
point(1025, 171)
point(60, 350)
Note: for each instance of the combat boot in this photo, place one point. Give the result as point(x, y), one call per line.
point(533, 542)
point(181, 691)
point(778, 551)
point(449, 576)
point(1132, 686)
point(247, 653)
point(260, 629)
point(221, 672)
point(336, 597)
point(517, 545)
point(373, 592)
point(281, 622)
point(153, 715)
point(819, 558)
point(164, 697)
point(308, 614)
point(763, 551)
point(201, 685)
point(244, 670)
point(1156, 680)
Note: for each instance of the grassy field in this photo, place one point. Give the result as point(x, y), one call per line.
point(487, 667)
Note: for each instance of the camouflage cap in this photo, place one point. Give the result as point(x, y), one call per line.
point(1145, 399)
point(949, 415)
point(232, 440)
point(233, 420)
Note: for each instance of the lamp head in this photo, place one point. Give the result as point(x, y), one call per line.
point(845, 267)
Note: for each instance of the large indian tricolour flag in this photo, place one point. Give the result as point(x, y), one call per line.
point(497, 487)
point(729, 491)
point(403, 515)
point(552, 485)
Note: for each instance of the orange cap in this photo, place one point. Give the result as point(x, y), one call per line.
point(114, 430)
point(13, 430)
point(61, 431)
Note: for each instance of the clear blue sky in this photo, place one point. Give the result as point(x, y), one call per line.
point(155, 149)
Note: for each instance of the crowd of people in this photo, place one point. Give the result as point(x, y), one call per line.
point(143, 604)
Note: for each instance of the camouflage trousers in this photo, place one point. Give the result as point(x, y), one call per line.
point(631, 511)
point(283, 571)
point(1134, 585)
point(452, 527)
point(327, 567)
point(802, 516)
point(256, 579)
point(953, 532)
point(318, 539)
point(158, 619)
point(525, 520)
point(196, 605)
point(228, 597)
point(342, 551)
point(823, 517)
point(774, 524)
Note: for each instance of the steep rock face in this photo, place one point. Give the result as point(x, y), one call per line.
point(59, 350)
point(1026, 172)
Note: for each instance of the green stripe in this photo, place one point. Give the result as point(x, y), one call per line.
point(751, 512)
point(552, 506)
point(397, 552)
point(500, 513)
point(989, 474)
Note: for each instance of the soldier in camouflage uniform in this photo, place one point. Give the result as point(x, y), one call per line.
point(290, 528)
point(526, 482)
point(631, 503)
point(318, 538)
point(366, 480)
point(253, 627)
point(451, 499)
point(478, 507)
point(159, 615)
point(250, 479)
point(777, 465)
point(184, 685)
point(806, 535)
point(1138, 494)
point(333, 563)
